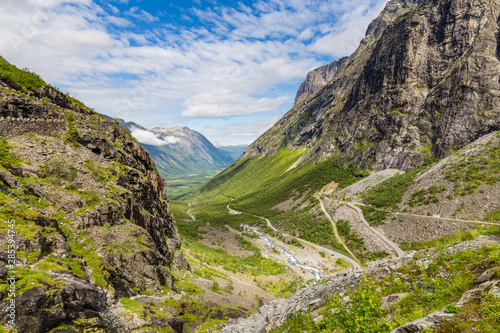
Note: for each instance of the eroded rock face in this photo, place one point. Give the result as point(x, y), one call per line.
point(317, 78)
point(95, 223)
point(424, 85)
point(70, 298)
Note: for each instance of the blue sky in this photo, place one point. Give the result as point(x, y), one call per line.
point(228, 69)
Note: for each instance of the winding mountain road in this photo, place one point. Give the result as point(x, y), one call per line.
point(396, 248)
point(337, 254)
point(447, 218)
point(335, 231)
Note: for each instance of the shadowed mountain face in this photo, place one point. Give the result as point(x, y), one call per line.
point(423, 83)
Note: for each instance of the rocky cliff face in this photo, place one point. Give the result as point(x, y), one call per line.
point(423, 83)
point(92, 220)
point(317, 78)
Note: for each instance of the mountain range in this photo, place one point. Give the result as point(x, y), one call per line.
point(383, 179)
point(184, 157)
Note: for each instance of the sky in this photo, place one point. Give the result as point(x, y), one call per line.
point(227, 69)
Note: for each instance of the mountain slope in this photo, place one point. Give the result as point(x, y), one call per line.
point(184, 157)
point(85, 210)
point(317, 78)
point(424, 86)
point(189, 152)
point(384, 108)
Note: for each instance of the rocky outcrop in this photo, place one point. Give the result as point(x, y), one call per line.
point(317, 78)
point(71, 297)
point(422, 83)
point(434, 319)
point(94, 223)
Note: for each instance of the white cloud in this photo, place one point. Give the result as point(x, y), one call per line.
point(234, 65)
point(238, 133)
point(113, 9)
point(150, 138)
point(226, 103)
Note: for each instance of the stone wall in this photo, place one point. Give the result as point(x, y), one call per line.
point(10, 127)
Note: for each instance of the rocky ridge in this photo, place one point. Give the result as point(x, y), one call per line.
point(93, 222)
point(422, 83)
point(317, 78)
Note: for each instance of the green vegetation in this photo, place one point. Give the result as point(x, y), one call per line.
point(428, 290)
point(182, 186)
point(29, 81)
point(277, 182)
point(352, 240)
point(59, 168)
point(390, 192)
point(495, 216)
point(6, 155)
point(472, 171)
point(425, 197)
point(283, 288)
point(356, 243)
point(72, 136)
point(374, 216)
point(458, 237)
point(254, 264)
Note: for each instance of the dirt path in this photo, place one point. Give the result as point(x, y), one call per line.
point(335, 231)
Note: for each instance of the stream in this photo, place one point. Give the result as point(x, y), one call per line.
point(291, 258)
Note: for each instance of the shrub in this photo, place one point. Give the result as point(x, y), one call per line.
point(6, 156)
point(451, 308)
point(59, 168)
point(72, 137)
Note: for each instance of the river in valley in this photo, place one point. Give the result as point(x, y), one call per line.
point(291, 258)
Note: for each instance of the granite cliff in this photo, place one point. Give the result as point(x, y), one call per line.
point(423, 83)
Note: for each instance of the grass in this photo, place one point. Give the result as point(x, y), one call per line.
point(28, 80)
point(6, 155)
point(458, 237)
point(390, 192)
point(254, 265)
point(472, 171)
point(375, 217)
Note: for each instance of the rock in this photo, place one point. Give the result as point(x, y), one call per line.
point(420, 324)
point(55, 244)
point(25, 170)
point(488, 275)
point(180, 262)
point(42, 308)
point(476, 293)
point(388, 302)
point(8, 179)
point(317, 78)
point(99, 146)
point(3, 269)
point(318, 319)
